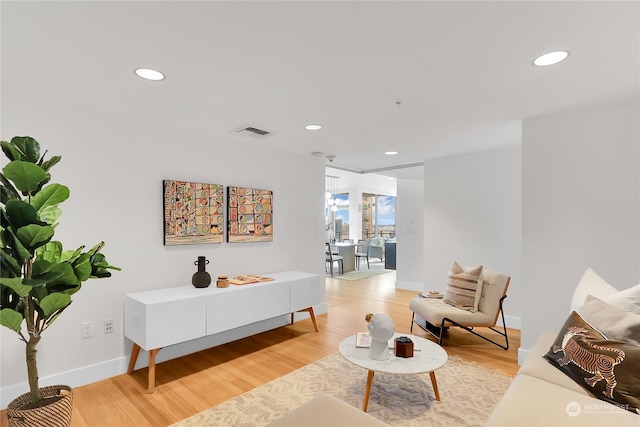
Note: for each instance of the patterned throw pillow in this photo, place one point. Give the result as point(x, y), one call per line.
point(610, 370)
point(463, 288)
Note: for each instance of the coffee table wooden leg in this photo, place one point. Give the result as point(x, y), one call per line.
point(435, 385)
point(367, 391)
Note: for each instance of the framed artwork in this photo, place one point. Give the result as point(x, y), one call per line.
point(193, 213)
point(250, 215)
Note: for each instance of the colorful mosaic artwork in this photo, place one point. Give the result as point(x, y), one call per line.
point(250, 215)
point(193, 213)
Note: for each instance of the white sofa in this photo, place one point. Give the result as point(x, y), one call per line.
point(543, 395)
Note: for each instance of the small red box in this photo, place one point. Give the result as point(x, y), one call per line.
point(403, 347)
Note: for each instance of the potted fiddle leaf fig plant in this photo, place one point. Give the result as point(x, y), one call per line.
point(37, 276)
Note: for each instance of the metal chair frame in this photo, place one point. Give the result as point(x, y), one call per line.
point(438, 331)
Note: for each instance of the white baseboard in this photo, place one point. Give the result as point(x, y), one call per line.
point(73, 378)
point(522, 354)
point(512, 322)
point(110, 368)
point(411, 286)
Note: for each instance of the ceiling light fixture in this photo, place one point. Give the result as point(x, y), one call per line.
point(313, 127)
point(391, 153)
point(550, 58)
point(149, 74)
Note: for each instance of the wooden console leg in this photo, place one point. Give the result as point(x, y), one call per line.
point(435, 385)
point(135, 351)
point(313, 318)
point(367, 391)
point(152, 370)
point(311, 314)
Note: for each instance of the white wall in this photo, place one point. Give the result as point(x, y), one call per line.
point(581, 208)
point(410, 234)
point(472, 216)
point(114, 167)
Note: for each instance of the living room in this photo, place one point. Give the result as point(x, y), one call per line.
point(563, 197)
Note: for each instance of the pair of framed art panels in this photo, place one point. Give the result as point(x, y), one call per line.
point(195, 213)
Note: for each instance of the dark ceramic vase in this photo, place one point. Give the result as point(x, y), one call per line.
point(201, 279)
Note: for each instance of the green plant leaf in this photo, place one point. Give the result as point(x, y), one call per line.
point(33, 236)
point(43, 272)
point(51, 252)
point(51, 195)
point(50, 214)
point(54, 302)
point(14, 242)
point(82, 267)
point(11, 319)
point(9, 264)
point(27, 177)
point(67, 274)
point(71, 256)
point(12, 152)
point(50, 163)
point(7, 190)
point(21, 213)
point(15, 283)
point(29, 147)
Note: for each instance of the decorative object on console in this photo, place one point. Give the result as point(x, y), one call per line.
point(38, 276)
point(250, 215)
point(610, 370)
point(464, 287)
point(193, 213)
point(222, 282)
point(381, 329)
point(249, 278)
point(201, 279)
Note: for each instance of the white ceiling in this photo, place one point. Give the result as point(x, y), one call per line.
point(462, 70)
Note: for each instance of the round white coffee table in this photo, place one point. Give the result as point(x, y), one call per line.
point(428, 357)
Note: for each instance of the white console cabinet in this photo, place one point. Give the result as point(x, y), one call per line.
point(163, 317)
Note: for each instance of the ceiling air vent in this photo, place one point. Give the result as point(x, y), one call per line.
point(254, 131)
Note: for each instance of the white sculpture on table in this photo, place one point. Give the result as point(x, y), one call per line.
point(381, 330)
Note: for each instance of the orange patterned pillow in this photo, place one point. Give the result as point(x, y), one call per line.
point(608, 369)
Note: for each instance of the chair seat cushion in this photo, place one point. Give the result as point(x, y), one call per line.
point(434, 310)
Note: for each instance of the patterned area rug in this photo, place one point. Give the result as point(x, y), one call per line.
point(468, 394)
point(359, 274)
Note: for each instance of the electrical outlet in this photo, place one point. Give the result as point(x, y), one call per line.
point(86, 330)
point(108, 326)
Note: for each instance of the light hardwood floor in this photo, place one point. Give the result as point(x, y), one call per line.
point(193, 383)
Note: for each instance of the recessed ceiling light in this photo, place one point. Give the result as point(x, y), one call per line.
point(313, 127)
point(391, 153)
point(550, 58)
point(149, 74)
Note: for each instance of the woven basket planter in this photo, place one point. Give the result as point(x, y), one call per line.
point(54, 410)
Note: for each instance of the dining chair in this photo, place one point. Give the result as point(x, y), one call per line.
point(362, 251)
point(330, 258)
